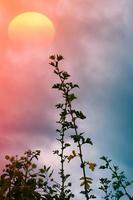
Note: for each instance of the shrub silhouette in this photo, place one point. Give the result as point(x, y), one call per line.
point(18, 179)
point(116, 187)
point(22, 180)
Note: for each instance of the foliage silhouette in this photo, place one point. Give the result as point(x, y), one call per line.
point(22, 180)
point(68, 120)
point(118, 182)
point(18, 180)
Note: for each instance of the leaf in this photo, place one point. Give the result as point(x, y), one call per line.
point(48, 169)
point(59, 57)
point(92, 197)
point(74, 153)
point(59, 105)
point(71, 156)
point(116, 168)
point(56, 72)
point(103, 158)
point(65, 75)
point(52, 57)
point(102, 167)
point(52, 63)
point(76, 138)
point(67, 145)
point(87, 181)
point(51, 173)
point(57, 86)
point(75, 85)
point(7, 157)
point(71, 97)
point(91, 166)
point(88, 141)
point(66, 176)
point(82, 183)
point(57, 130)
point(80, 115)
point(119, 194)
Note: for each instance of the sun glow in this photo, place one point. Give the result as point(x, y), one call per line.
point(31, 27)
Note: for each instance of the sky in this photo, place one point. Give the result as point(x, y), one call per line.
point(96, 39)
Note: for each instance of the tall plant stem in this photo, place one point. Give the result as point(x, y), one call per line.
point(62, 166)
point(80, 152)
point(65, 93)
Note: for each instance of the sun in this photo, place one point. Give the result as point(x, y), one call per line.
point(31, 28)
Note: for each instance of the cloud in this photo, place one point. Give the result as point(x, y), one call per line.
point(96, 41)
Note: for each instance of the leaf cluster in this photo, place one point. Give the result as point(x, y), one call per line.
point(18, 180)
point(117, 186)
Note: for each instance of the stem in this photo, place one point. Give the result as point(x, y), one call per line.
point(62, 194)
point(65, 92)
point(62, 164)
point(80, 153)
